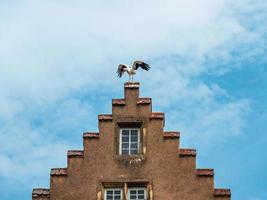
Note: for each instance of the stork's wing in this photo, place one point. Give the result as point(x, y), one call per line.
point(141, 64)
point(120, 70)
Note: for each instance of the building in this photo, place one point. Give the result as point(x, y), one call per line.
point(131, 157)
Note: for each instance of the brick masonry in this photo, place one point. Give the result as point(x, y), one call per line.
point(166, 170)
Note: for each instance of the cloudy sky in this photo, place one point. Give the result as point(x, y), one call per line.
point(208, 74)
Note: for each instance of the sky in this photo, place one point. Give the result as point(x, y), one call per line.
point(58, 62)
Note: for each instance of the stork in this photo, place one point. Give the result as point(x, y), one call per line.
point(131, 71)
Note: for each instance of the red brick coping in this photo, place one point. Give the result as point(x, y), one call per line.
point(157, 115)
point(222, 192)
point(118, 102)
point(75, 153)
point(105, 117)
point(171, 134)
point(205, 172)
point(58, 172)
point(187, 152)
point(132, 85)
point(40, 192)
point(141, 101)
point(90, 135)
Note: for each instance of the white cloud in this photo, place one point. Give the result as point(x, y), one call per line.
point(50, 50)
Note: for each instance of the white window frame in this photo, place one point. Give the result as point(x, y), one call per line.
point(120, 189)
point(137, 188)
point(138, 140)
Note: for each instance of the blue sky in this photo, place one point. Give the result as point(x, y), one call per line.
point(208, 74)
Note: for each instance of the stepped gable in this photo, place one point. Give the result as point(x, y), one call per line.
point(131, 154)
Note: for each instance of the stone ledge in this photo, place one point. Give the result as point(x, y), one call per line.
point(40, 192)
point(157, 115)
point(118, 102)
point(90, 135)
point(105, 117)
point(58, 172)
point(132, 85)
point(187, 152)
point(171, 134)
point(75, 153)
point(205, 172)
point(144, 101)
point(222, 192)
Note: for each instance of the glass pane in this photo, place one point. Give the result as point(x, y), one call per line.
point(125, 139)
point(125, 132)
point(125, 152)
point(134, 139)
point(134, 132)
point(134, 151)
point(109, 192)
point(141, 191)
point(133, 192)
point(117, 192)
point(125, 145)
point(134, 146)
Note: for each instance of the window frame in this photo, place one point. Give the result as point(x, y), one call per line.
point(137, 188)
point(138, 140)
point(113, 189)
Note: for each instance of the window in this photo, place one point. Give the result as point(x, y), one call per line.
point(113, 194)
point(134, 193)
point(129, 141)
point(137, 194)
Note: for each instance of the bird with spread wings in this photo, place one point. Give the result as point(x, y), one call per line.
point(131, 71)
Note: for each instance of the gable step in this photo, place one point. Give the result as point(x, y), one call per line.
point(187, 152)
point(132, 85)
point(58, 172)
point(75, 154)
point(118, 102)
point(40, 193)
point(157, 115)
point(171, 134)
point(144, 101)
point(90, 135)
point(105, 117)
point(222, 192)
point(205, 172)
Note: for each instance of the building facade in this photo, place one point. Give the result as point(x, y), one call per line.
point(131, 158)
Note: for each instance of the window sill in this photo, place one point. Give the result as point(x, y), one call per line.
point(131, 159)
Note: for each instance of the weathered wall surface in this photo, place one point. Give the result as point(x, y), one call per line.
point(168, 171)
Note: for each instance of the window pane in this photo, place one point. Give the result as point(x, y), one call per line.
point(141, 191)
point(125, 132)
point(117, 192)
point(125, 145)
point(112, 194)
point(137, 194)
point(134, 132)
point(133, 192)
point(134, 151)
point(129, 141)
point(134, 139)
point(125, 139)
point(125, 152)
point(134, 146)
